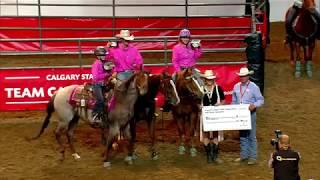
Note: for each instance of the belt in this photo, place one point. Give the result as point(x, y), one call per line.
point(129, 71)
point(184, 67)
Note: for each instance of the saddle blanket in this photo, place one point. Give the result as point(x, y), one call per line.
point(81, 97)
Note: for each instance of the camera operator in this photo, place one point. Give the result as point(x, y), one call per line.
point(285, 161)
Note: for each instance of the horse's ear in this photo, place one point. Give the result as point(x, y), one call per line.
point(184, 72)
point(147, 71)
point(165, 73)
point(187, 72)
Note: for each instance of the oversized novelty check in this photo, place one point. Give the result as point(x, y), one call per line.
point(226, 117)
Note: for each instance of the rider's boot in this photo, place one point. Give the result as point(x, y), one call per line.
point(208, 151)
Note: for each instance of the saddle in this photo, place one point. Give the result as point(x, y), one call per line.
point(82, 97)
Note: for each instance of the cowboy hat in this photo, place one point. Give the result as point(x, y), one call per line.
point(209, 74)
point(244, 72)
point(126, 35)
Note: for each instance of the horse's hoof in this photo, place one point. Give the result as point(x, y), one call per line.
point(107, 164)
point(135, 156)
point(155, 156)
point(76, 156)
point(181, 150)
point(193, 152)
point(309, 74)
point(115, 146)
point(297, 74)
point(61, 159)
point(128, 160)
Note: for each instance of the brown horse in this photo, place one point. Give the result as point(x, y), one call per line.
point(187, 111)
point(122, 111)
point(146, 105)
point(302, 31)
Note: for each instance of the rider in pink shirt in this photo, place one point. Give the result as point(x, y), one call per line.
point(125, 56)
point(185, 55)
point(100, 71)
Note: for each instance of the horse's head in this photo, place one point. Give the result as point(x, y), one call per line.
point(187, 85)
point(168, 89)
point(309, 4)
point(141, 82)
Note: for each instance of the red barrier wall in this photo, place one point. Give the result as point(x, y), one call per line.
point(30, 89)
point(243, 24)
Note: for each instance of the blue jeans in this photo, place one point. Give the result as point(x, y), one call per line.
point(124, 75)
point(248, 141)
point(99, 106)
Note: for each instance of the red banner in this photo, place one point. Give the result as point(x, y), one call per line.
point(30, 89)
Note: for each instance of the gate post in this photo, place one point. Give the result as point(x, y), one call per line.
point(256, 57)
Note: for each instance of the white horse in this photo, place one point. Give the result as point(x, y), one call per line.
point(69, 112)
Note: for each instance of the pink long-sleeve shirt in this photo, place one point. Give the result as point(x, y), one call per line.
point(184, 56)
point(98, 72)
point(125, 58)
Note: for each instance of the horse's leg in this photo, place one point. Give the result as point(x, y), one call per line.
point(291, 46)
point(127, 132)
point(113, 131)
point(308, 50)
point(152, 128)
point(297, 73)
point(62, 126)
point(193, 126)
point(71, 128)
point(133, 133)
point(180, 124)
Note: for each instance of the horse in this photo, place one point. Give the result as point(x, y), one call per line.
point(121, 111)
point(146, 105)
point(302, 31)
point(71, 103)
point(187, 111)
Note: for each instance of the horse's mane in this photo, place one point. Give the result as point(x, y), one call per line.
point(124, 86)
point(153, 85)
point(180, 82)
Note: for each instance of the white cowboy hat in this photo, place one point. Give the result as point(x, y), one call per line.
point(126, 35)
point(244, 72)
point(209, 74)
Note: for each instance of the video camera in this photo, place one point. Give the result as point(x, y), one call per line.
point(275, 142)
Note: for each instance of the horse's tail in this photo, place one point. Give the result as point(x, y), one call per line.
point(50, 110)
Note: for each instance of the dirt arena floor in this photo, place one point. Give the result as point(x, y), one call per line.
point(291, 105)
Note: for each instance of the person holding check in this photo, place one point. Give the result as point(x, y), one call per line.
point(213, 96)
point(247, 92)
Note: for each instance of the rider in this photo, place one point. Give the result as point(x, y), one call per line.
point(101, 69)
point(126, 57)
point(185, 54)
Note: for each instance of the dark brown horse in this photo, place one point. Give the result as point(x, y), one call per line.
point(146, 105)
point(187, 111)
point(302, 31)
point(122, 111)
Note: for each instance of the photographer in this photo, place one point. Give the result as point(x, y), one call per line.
point(285, 161)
